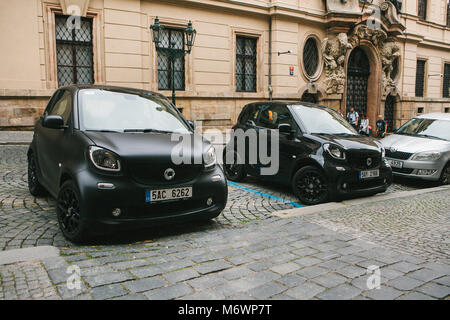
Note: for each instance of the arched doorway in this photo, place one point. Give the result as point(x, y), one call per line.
point(309, 97)
point(358, 72)
point(389, 111)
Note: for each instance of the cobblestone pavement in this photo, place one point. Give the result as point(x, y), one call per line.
point(29, 221)
point(314, 257)
point(419, 226)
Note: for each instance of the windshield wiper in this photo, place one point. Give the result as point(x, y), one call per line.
point(147, 130)
point(432, 137)
point(103, 130)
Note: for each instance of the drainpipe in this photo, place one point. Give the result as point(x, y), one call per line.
point(270, 54)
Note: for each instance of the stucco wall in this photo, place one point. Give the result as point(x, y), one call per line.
point(124, 53)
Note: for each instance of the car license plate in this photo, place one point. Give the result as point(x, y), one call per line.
point(369, 174)
point(395, 163)
point(168, 194)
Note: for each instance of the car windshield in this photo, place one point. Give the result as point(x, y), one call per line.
point(428, 128)
point(105, 110)
point(323, 121)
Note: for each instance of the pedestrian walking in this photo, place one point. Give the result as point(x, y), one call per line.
point(381, 127)
point(364, 127)
point(353, 118)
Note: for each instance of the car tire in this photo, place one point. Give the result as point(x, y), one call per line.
point(68, 211)
point(445, 175)
point(234, 172)
point(34, 186)
point(310, 186)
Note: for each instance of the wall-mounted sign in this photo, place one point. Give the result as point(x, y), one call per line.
point(291, 71)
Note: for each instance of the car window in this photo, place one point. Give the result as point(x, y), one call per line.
point(119, 111)
point(63, 106)
point(322, 120)
point(243, 117)
point(426, 128)
point(274, 115)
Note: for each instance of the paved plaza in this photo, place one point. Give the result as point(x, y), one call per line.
point(246, 253)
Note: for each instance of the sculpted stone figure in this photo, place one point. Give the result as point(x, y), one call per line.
point(389, 52)
point(334, 51)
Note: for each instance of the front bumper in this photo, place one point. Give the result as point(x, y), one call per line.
point(128, 195)
point(346, 182)
point(412, 169)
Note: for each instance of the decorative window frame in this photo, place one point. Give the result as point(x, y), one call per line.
point(425, 77)
point(259, 36)
point(445, 62)
point(50, 10)
point(319, 70)
point(188, 59)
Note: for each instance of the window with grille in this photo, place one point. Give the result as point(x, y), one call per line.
point(446, 89)
point(311, 57)
point(448, 13)
point(420, 77)
point(74, 54)
point(171, 38)
point(245, 64)
point(422, 9)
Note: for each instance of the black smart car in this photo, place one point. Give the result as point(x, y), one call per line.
point(320, 155)
point(106, 154)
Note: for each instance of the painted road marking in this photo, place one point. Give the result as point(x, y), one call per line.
point(236, 185)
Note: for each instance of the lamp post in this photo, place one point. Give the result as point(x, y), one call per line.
point(171, 52)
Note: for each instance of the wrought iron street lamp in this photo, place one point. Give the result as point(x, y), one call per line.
point(171, 52)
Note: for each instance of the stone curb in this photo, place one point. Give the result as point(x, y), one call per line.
point(297, 212)
point(28, 254)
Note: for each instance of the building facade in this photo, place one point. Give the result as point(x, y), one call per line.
point(386, 57)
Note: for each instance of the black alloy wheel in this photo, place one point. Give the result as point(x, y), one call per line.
point(310, 186)
point(233, 171)
point(68, 211)
point(35, 188)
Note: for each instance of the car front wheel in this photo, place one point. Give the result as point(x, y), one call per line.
point(35, 188)
point(233, 171)
point(445, 176)
point(310, 186)
point(69, 213)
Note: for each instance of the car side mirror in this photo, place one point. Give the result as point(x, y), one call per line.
point(250, 123)
point(192, 124)
point(53, 122)
point(286, 128)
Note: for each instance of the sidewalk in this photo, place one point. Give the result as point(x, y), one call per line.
point(15, 137)
point(301, 257)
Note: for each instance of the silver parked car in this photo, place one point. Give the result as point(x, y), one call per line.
point(421, 148)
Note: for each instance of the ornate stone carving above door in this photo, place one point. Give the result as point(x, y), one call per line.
point(334, 52)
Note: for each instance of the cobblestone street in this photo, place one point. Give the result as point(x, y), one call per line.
point(245, 253)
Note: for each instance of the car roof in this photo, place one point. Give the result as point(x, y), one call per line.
point(289, 103)
point(435, 116)
point(76, 87)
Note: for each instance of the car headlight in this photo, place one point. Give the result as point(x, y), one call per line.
point(426, 156)
point(209, 158)
point(383, 152)
point(334, 151)
point(104, 159)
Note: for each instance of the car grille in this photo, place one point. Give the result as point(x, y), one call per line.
point(165, 209)
point(366, 184)
point(403, 170)
point(153, 173)
point(398, 155)
point(359, 159)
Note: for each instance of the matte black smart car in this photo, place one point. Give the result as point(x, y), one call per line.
point(107, 155)
point(320, 155)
